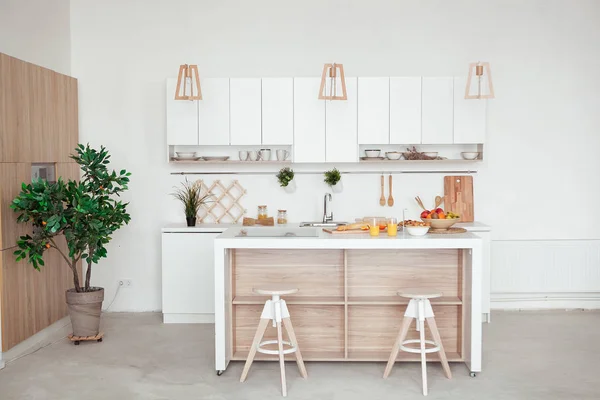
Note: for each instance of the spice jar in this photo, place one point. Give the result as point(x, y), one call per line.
point(281, 217)
point(262, 212)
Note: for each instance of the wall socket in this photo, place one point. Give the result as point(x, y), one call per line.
point(125, 283)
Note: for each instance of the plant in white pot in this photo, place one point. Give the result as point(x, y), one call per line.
point(285, 176)
point(87, 212)
point(334, 179)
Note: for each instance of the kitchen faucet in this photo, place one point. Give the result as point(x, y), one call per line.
point(327, 218)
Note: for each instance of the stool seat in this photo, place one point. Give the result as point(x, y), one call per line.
point(419, 293)
point(275, 291)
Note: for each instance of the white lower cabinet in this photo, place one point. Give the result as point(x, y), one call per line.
point(188, 277)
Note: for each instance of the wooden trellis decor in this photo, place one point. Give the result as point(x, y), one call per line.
point(225, 206)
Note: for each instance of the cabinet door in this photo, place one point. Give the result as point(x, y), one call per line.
point(213, 112)
point(373, 110)
point(405, 110)
point(278, 111)
point(188, 284)
point(340, 127)
point(182, 118)
point(245, 111)
point(309, 121)
point(438, 114)
point(469, 115)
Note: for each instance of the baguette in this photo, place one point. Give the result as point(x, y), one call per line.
point(351, 227)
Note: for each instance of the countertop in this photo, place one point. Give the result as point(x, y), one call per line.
point(217, 228)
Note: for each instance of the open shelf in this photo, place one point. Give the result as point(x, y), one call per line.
point(306, 355)
point(365, 355)
point(358, 356)
point(231, 162)
point(305, 300)
point(447, 161)
point(397, 300)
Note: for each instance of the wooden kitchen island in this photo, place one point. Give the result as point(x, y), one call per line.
point(347, 307)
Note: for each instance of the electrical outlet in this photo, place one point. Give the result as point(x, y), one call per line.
point(125, 283)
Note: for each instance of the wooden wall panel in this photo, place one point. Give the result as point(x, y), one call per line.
point(31, 300)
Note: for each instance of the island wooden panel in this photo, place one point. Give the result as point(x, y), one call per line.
point(347, 308)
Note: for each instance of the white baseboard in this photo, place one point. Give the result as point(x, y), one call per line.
point(188, 318)
point(545, 301)
point(46, 336)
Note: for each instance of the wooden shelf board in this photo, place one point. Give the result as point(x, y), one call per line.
point(306, 355)
point(457, 160)
point(353, 356)
point(228, 162)
point(397, 300)
point(306, 300)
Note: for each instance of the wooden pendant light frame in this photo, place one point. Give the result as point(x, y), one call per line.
point(486, 72)
point(331, 71)
point(188, 71)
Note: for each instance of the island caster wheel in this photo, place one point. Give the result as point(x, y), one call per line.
point(220, 372)
point(473, 374)
point(99, 340)
point(76, 343)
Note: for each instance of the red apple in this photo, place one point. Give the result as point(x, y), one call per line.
point(424, 214)
point(439, 210)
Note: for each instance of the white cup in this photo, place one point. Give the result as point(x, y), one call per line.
point(282, 155)
point(243, 154)
point(264, 154)
point(252, 155)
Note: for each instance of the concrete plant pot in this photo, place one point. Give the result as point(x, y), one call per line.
point(85, 310)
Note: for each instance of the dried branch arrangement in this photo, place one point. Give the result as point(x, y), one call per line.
point(414, 154)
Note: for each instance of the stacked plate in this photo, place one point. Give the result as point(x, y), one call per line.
point(186, 156)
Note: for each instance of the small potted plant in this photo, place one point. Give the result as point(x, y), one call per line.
point(334, 179)
point(190, 195)
point(285, 176)
point(87, 213)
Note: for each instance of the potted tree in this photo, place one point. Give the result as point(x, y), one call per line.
point(334, 179)
point(87, 212)
point(285, 177)
point(190, 195)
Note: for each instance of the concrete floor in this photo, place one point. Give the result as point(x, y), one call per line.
point(527, 355)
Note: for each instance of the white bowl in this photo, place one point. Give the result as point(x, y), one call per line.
point(470, 155)
point(393, 155)
point(185, 154)
point(372, 153)
point(431, 153)
point(417, 230)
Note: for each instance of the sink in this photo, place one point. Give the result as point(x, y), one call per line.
point(320, 224)
point(277, 232)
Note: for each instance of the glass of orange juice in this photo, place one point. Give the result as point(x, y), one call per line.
point(373, 226)
point(392, 226)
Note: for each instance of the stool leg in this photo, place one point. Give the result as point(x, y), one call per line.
point(438, 341)
point(260, 331)
point(281, 359)
point(423, 356)
point(401, 336)
point(292, 335)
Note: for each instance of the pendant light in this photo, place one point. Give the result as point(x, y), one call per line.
point(329, 83)
point(188, 78)
point(483, 81)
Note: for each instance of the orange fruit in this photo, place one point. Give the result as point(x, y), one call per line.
point(442, 215)
point(428, 216)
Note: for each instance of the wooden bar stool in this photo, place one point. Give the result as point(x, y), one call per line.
point(276, 311)
point(419, 308)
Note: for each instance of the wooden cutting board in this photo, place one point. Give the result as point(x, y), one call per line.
point(352, 232)
point(458, 196)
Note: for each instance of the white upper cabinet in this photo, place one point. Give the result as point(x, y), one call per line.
point(309, 121)
point(213, 112)
point(182, 118)
point(373, 110)
point(340, 126)
point(245, 111)
point(278, 111)
point(438, 111)
point(405, 110)
point(469, 115)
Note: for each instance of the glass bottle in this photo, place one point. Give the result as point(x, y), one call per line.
point(262, 212)
point(281, 217)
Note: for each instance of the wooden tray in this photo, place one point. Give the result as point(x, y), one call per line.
point(448, 231)
point(351, 232)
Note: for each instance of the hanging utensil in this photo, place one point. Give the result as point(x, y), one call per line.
point(391, 198)
point(438, 201)
point(382, 198)
point(420, 203)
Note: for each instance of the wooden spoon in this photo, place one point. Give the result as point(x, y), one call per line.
point(391, 198)
point(382, 198)
point(420, 203)
point(438, 201)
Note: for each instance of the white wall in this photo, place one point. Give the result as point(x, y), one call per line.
point(37, 31)
point(543, 141)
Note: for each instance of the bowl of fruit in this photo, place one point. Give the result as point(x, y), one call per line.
point(439, 219)
point(415, 228)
